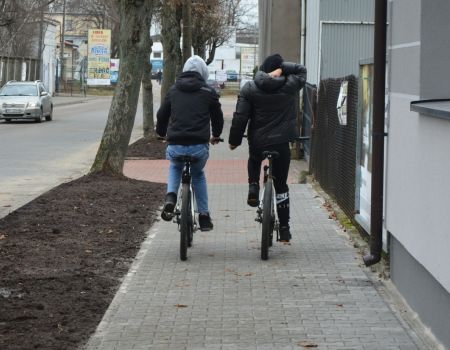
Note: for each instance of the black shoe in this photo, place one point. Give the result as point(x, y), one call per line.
point(205, 222)
point(169, 206)
point(253, 195)
point(285, 234)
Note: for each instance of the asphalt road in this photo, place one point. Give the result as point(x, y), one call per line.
point(36, 157)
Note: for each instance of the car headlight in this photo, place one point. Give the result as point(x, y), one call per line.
point(33, 104)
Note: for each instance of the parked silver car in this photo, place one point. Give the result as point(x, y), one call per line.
point(25, 100)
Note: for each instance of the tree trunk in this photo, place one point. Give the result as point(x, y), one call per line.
point(187, 30)
point(147, 96)
point(212, 53)
point(200, 50)
point(170, 37)
point(135, 17)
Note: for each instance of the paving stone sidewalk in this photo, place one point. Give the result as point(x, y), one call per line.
point(313, 293)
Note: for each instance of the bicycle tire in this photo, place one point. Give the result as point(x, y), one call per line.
point(267, 226)
point(185, 220)
point(191, 225)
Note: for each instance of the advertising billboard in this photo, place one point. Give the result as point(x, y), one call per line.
point(99, 54)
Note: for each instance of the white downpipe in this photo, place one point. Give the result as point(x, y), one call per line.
point(319, 64)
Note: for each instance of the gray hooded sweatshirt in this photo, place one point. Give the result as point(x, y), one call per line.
point(196, 64)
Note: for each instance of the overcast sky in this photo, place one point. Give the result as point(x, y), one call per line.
point(252, 6)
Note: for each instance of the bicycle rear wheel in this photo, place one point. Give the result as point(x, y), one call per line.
point(267, 220)
point(185, 221)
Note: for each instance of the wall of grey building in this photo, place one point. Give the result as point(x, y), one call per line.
point(417, 214)
point(280, 28)
point(338, 35)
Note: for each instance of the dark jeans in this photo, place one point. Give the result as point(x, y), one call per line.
point(280, 170)
point(280, 166)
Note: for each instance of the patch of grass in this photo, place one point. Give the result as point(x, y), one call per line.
point(101, 91)
point(303, 177)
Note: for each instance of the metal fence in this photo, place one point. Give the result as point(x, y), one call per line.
point(308, 116)
point(18, 68)
point(333, 151)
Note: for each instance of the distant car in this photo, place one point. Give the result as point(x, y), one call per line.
point(214, 84)
point(244, 80)
point(232, 75)
point(25, 100)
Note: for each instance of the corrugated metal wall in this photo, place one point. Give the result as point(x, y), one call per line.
point(312, 39)
point(343, 46)
point(347, 10)
point(335, 50)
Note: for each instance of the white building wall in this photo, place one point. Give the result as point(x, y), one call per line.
point(418, 156)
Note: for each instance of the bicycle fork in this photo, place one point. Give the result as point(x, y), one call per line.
point(259, 211)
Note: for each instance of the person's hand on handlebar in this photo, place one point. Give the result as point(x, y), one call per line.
point(215, 140)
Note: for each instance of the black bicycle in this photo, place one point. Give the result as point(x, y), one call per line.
point(266, 212)
point(184, 212)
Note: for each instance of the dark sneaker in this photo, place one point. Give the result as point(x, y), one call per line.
point(205, 222)
point(285, 234)
point(169, 206)
point(253, 195)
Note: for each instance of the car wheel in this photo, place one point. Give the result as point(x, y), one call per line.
point(50, 116)
point(39, 120)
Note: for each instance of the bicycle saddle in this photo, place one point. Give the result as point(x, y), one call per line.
point(270, 154)
point(186, 159)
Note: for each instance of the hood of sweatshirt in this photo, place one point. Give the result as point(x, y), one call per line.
point(267, 83)
point(196, 64)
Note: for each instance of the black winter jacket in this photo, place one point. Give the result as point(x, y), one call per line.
point(188, 109)
point(268, 105)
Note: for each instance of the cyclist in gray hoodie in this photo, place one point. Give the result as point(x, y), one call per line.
point(190, 110)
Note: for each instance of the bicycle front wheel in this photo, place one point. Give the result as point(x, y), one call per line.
point(267, 219)
point(185, 221)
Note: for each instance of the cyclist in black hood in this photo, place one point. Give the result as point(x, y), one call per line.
point(268, 105)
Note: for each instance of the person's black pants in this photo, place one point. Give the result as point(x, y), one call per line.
point(280, 170)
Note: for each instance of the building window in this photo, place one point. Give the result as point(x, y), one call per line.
point(156, 54)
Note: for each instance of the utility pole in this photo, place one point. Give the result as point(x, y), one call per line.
point(41, 39)
point(187, 29)
point(61, 52)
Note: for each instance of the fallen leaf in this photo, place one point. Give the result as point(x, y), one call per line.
point(180, 305)
point(183, 284)
point(2, 237)
point(340, 305)
point(7, 206)
point(307, 344)
point(248, 274)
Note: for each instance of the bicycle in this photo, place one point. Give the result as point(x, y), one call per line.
point(184, 212)
point(266, 213)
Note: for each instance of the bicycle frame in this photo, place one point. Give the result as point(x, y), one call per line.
point(186, 178)
point(268, 175)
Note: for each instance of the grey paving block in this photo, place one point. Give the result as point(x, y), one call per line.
point(224, 297)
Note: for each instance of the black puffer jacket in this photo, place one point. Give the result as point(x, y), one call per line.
point(188, 110)
point(269, 106)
